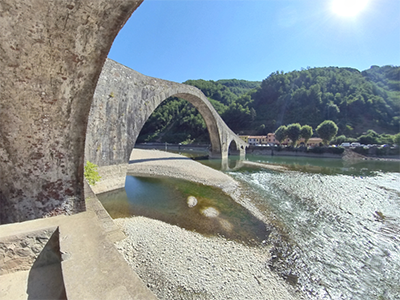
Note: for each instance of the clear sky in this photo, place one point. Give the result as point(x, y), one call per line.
point(179, 40)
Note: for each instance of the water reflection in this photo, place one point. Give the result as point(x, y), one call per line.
point(232, 163)
point(165, 199)
point(330, 166)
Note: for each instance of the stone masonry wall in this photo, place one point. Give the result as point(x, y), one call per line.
point(19, 252)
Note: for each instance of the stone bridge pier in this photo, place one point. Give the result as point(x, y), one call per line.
point(51, 55)
point(123, 101)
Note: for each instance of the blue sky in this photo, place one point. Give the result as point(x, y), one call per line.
point(179, 40)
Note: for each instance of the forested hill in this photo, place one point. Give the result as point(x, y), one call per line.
point(356, 101)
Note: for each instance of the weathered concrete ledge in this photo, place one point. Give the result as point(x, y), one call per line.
point(91, 266)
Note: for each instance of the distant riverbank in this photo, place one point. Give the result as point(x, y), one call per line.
point(319, 152)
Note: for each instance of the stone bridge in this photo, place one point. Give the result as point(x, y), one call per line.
point(123, 101)
point(51, 57)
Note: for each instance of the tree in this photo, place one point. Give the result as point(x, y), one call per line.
point(293, 132)
point(396, 139)
point(340, 139)
point(91, 173)
point(371, 137)
point(280, 133)
point(327, 131)
point(306, 132)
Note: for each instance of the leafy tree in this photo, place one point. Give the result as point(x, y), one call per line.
point(281, 134)
point(396, 139)
point(261, 129)
point(306, 132)
point(371, 137)
point(386, 139)
point(293, 132)
point(327, 131)
point(340, 139)
point(91, 173)
point(352, 99)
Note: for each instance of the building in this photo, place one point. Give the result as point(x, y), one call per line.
point(312, 142)
point(270, 139)
point(257, 140)
point(244, 138)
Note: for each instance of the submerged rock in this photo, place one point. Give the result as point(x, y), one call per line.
point(226, 225)
point(191, 201)
point(210, 212)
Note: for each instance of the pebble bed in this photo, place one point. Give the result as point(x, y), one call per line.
point(180, 264)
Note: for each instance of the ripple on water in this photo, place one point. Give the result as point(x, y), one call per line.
point(344, 228)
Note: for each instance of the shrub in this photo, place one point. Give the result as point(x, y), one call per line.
point(337, 150)
point(396, 139)
point(91, 173)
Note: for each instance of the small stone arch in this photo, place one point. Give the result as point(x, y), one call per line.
point(234, 148)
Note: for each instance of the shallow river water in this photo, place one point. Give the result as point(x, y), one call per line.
point(339, 222)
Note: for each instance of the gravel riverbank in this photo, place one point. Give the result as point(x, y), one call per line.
point(180, 264)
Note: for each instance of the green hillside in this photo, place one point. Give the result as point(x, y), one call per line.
point(356, 101)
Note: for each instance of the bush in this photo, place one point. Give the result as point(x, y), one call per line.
point(396, 139)
point(91, 173)
point(317, 150)
point(320, 150)
point(361, 150)
point(339, 140)
point(336, 150)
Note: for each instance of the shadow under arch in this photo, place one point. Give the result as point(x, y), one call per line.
point(234, 148)
point(208, 113)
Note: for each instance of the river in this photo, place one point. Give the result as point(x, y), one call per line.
point(336, 225)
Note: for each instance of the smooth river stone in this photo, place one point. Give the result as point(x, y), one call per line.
point(191, 201)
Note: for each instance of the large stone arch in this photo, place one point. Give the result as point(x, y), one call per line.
point(123, 101)
point(51, 55)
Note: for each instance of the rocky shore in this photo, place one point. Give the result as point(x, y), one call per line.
point(180, 264)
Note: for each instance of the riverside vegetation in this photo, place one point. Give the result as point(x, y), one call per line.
point(365, 105)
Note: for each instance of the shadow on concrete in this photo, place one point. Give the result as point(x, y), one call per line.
point(45, 280)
